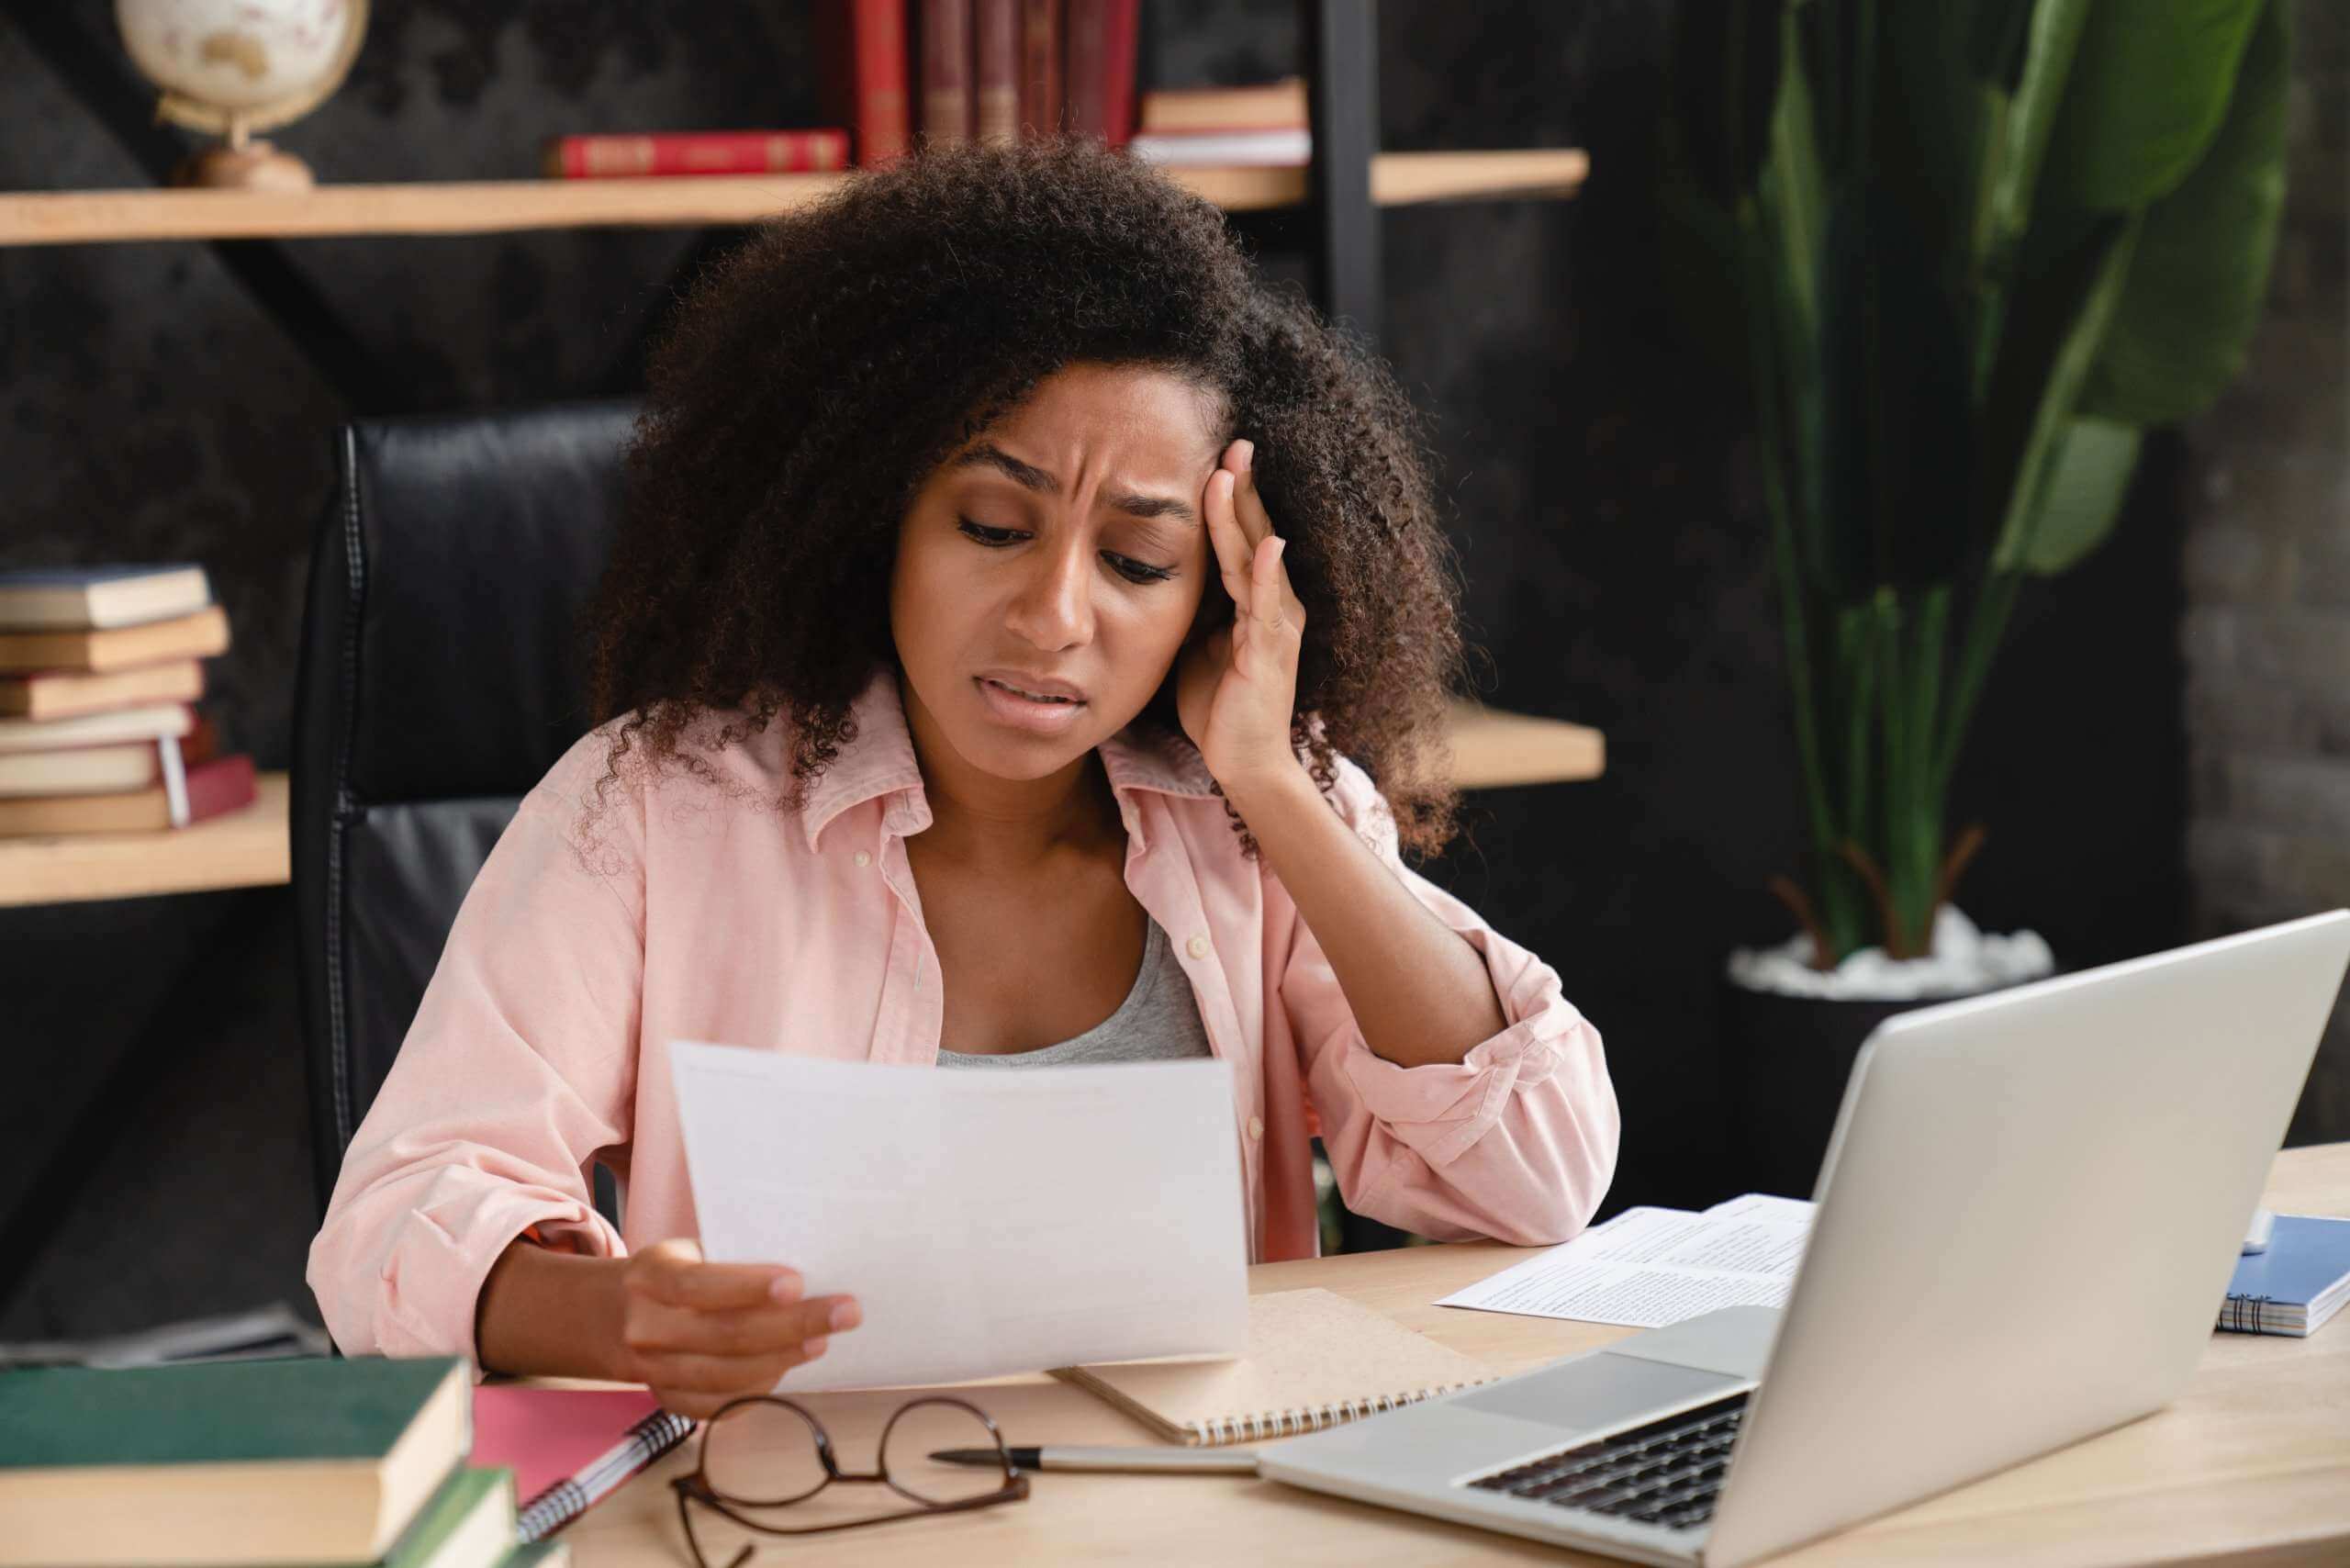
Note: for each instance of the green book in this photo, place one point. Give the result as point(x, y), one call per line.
point(304, 1461)
point(469, 1523)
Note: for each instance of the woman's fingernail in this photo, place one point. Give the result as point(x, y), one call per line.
point(845, 1315)
point(811, 1349)
point(786, 1287)
point(1248, 456)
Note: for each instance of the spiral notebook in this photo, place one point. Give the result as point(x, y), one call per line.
point(1315, 1359)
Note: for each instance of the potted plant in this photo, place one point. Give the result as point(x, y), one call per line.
point(1968, 253)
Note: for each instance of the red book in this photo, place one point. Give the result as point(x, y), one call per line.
point(995, 67)
point(1040, 67)
point(861, 75)
point(1102, 39)
point(619, 156)
point(943, 45)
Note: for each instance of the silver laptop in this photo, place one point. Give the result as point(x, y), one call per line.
point(2099, 1137)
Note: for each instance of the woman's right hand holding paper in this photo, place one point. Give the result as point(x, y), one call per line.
point(700, 1334)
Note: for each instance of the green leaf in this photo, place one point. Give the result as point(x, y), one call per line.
point(2060, 324)
point(2201, 275)
point(2088, 476)
point(1792, 194)
point(2012, 159)
point(2150, 83)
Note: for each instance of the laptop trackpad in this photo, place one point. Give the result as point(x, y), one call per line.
point(1595, 1391)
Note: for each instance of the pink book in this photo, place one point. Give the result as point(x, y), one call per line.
point(568, 1447)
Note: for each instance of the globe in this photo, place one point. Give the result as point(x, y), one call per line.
point(232, 67)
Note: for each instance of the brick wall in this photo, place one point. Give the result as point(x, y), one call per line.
point(2267, 635)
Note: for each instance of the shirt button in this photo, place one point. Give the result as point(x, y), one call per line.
point(1256, 1128)
point(1197, 946)
point(863, 858)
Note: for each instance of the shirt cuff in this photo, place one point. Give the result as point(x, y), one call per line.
point(429, 1283)
point(1439, 1109)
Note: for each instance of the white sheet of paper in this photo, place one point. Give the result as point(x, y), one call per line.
point(1649, 1267)
point(987, 1223)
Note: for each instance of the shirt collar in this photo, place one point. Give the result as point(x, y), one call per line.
point(880, 762)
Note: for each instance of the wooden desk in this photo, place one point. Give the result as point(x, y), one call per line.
point(2251, 1465)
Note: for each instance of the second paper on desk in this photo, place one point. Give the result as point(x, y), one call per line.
point(986, 1223)
point(1650, 1266)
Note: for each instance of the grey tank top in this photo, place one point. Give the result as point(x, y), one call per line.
point(1159, 1021)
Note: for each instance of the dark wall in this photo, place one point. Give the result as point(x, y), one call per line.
point(174, 401)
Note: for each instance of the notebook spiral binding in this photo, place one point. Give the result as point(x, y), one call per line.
point(566, 1500)
point(2244, 1314)
point(1295, 1419)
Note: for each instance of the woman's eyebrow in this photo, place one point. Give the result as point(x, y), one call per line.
point(1028, 476)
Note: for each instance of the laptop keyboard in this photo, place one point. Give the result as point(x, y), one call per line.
point(1667, 1472)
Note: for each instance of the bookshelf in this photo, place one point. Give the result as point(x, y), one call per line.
point(1349, 181)
point(250, 848)
point(488, 206)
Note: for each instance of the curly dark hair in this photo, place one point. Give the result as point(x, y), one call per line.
point(814, 377)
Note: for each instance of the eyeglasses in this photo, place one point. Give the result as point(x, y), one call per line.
point(764, 1451)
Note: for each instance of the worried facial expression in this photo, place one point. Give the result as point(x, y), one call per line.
point(1048, 571)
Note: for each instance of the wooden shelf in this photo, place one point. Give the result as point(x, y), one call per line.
point(65, 217)
point(246, 849)
point(1493, 749)
point(249, 849)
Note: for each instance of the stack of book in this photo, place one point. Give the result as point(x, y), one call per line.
point(890, 71)
point(1190, 127)
point(304, 1461)
point(99, 675)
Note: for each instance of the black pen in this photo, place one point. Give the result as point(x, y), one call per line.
point(1201, 1460)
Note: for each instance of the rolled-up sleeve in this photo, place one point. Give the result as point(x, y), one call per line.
point(519, 1068)
point(1516, 1143)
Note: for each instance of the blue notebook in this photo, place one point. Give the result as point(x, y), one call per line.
point(2297, 1284)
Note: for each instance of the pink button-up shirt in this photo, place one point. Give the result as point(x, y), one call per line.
point(695, 913)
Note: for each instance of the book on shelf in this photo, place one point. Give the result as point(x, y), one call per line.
point(83, 597)
point(107, 770)
point(1267, 106)
point(1210, 148)
point(51, 695)
point(1040, 67)
point(995, 69)
point(940, 39)
point(2297, 1284)
point(1100, 44)
point(97, 651)
point(860, 50)
point(655, 154)
point(148, 721)
point(955, 71)
point(310, 1460)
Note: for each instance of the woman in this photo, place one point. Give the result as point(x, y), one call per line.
point(1012, 595)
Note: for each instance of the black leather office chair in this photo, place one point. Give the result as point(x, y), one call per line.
point(440, 677)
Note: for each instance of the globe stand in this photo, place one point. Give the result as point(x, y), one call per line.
point(243, 162)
